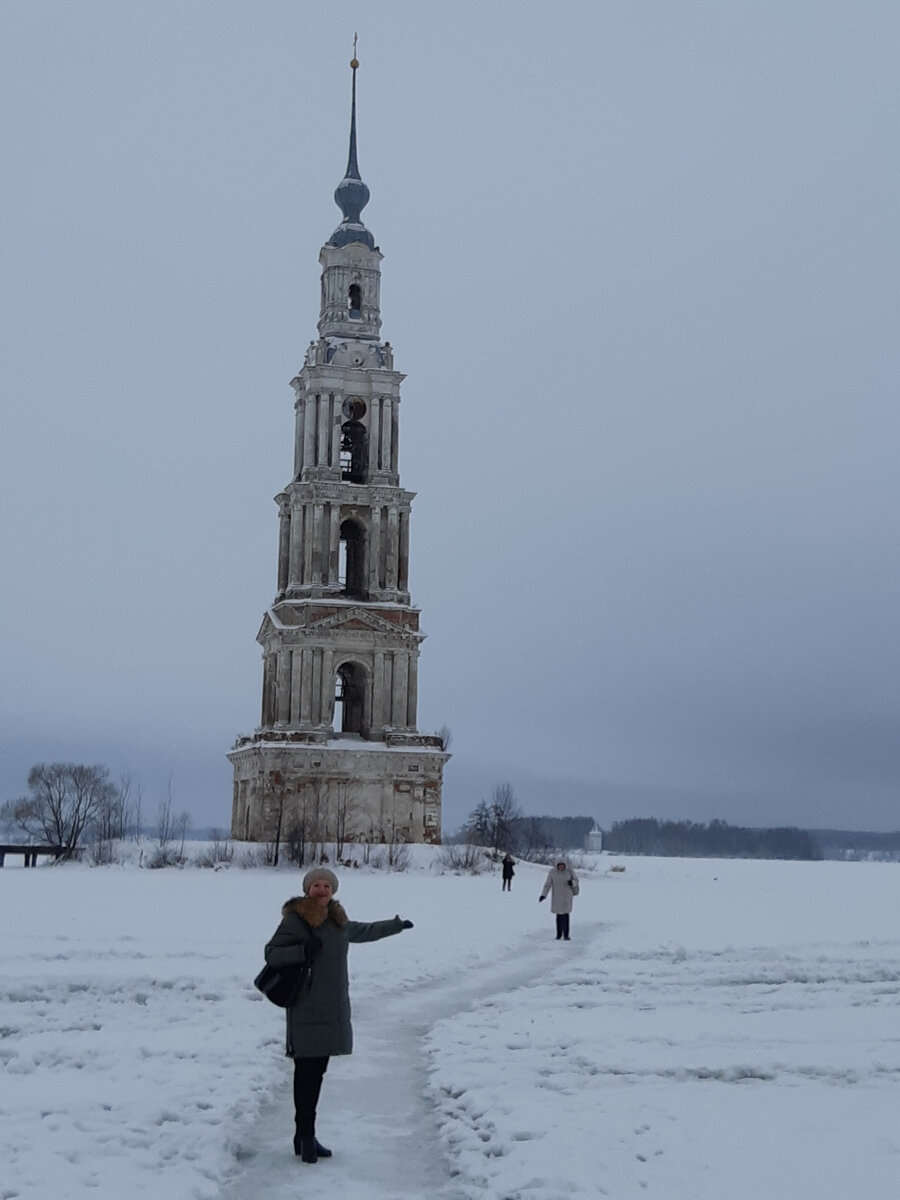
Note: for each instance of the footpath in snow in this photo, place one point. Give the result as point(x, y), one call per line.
point(714, 1029)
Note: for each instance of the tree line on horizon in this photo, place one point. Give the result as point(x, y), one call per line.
point(500, 825)
point(69, 803)
point(716, 839)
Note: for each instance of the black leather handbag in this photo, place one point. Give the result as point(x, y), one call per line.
point(282, 985)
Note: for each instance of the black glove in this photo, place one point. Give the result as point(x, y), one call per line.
point(313, 949)
point(540, 898)
point(403, 924)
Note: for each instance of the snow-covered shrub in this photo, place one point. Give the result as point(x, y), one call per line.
point(104, 852)
point(463, 859)
point(393, 856)
point(252, 857)
point(163, 856)
point(218, 852)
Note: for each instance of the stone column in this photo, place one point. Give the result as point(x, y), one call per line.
point(335, 433)
point(306, 687)
point(299, 419)
point(334, 546)
point(387, 690)
point(401, 689)
point(264, 707)
point(296, 678)
point(309, 429)
point(283, 688)
point(385, 433)
point(324, 431)
point(295, 568)
point(374, 550)
point(316, 688)
point(308, 537)
point(403, 564)
point(326, 703)
point(395, 439)
point(318, 538)
point(284, 545)
point(393, 545)
point(378, 691)
point(412, 695)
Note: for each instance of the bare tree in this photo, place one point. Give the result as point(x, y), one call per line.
point(308, 828)
point(110, 823)
point(533, 837)
point(182, 821)
point(478, 826)
point(345, 810)
point(170, 826)
point(137, 830)
point(277, 796)
point(111, 819)
point(314, 808)
point(504, 811)
point(394, 836)
point(165, 816)
point(64, 800)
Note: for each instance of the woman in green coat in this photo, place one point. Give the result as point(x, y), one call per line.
point(316, 930)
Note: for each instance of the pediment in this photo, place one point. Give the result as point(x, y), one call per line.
point(359, 619)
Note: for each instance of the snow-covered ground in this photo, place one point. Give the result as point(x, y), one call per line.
point(715, 1030)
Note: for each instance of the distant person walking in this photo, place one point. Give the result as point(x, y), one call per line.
point(315, 929)
point(561, 886)
point(509, 869)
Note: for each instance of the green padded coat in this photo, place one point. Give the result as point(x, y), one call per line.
point(318, 1024)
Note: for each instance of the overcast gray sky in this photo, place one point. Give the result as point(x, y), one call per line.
point(641, 267)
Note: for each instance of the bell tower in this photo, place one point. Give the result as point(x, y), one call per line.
point(337, 750)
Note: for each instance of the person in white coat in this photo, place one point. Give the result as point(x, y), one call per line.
point(561, 886)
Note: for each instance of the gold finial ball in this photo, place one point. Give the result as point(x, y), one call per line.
point(354, 63)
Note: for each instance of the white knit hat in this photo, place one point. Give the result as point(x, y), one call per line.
point(319, 873)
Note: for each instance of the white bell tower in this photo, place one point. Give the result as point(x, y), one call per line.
point(337, 738)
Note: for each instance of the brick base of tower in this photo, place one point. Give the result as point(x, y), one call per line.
point(342, 789)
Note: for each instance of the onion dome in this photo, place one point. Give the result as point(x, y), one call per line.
point(351, 195)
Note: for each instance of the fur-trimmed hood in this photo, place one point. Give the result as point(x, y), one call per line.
point(313, 913)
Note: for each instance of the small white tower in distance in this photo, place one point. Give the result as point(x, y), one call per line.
point(594, 839)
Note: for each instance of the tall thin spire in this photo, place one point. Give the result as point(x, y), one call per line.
point(352, 165)
point(351, 195)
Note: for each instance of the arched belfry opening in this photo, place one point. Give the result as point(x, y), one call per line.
point(353, 452)
point(352, 560)
point(349, 699)
point(354, 441)
point(354, 301)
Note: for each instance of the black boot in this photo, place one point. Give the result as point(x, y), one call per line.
point(308, 1074)
point(301, 1148)
point(306, 1149)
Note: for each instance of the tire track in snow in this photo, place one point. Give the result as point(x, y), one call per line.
point(376, 1112)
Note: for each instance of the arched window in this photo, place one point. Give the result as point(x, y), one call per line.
point(352, 560)
point(349, 699)
point(354, 301)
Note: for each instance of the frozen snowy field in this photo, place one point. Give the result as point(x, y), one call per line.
point(716, 1030)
